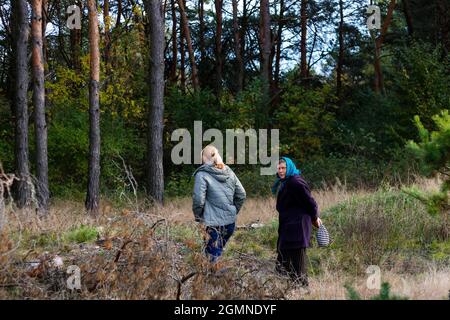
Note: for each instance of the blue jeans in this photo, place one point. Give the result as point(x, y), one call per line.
point(218, 237)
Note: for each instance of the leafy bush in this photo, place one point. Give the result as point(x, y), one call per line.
point(378, 229)
point(434, 153)
point(305, 119)
point(81, 234)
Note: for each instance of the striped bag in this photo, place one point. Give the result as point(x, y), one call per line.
point(322, 236)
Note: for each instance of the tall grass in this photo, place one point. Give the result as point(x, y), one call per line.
point(138, 251)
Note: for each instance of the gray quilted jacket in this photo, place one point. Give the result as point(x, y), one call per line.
point(218, 196)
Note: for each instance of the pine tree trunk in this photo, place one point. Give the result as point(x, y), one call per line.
point(279, 44)
point(182, 60)
point(341, 50)
point(408, 16)
point(107, 52)
point(201, 36)
point(244, 27)
point(173, 67)
point(379, 81)
point(39, 107)
point(265, 69)
point(156, 105)
point(444, 24)
point(265, 42)
point(93, 190)
point(303, 21)
point(44, 28)
point(75, 44)
point(218, 41)
point(187, 36)
point(119, 13)
point(237, 48)
point(20, 34)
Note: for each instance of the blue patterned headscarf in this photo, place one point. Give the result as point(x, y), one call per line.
point(291, 170)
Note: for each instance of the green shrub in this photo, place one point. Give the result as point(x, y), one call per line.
point(81, 234)
point(378, 228)
point(384, 294)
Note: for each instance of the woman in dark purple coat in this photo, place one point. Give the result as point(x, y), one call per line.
point(298, 211)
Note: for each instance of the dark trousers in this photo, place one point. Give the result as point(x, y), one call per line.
point(218, 237)
point(293, 262)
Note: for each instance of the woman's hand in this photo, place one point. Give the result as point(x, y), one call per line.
point(317, 223)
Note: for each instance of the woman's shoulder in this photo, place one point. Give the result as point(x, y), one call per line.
point(298, 180)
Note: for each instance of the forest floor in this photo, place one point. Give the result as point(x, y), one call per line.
point(137, 251)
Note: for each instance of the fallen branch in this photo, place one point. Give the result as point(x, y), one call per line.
point(183, 280)
point(121, 249)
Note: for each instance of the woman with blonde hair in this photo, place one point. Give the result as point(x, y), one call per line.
point(217, 198)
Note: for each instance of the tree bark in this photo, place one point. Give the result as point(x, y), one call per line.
point(444, 24)
point(341, 50)
point(265, 68)
point(182, 60)
point(39, 107)
point(218, 41)
point(279, 44)
point(408, 16)
point(265, 41)
point(237, 48)
point(156, 105)
point(379, 82)
point(119, 13)
point(93, 190)
point(75, 44)
point(20, 101)
point(244, 27)
point(202, 29)
point(303, 21)
point(173, 67)
point(44, 28)
point(187, 36)
point(107, 22)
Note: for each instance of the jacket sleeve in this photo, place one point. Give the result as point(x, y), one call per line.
point(199, 197)
point(239, 195)
point(306, 198)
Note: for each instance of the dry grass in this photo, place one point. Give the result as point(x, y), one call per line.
point(150, 252)
point(431, 285)
point(259, 209)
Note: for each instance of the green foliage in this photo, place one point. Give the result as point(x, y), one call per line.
point(259, 241)
point(433, 151)
point(377, 229)
point(421, 82)
point(384, 294)
point(433, 148)
point(44, 239)
point(241, 109)
point(179, 184)
point(352, 294)
point(305, 119)
point(6, 135)
point(440, 251)
point(356, 171)
point(254, 183)
point(81, 234)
